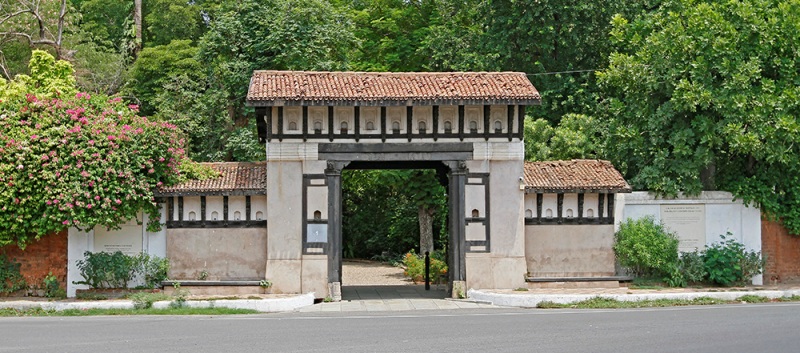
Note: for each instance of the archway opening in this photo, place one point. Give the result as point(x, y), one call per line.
point(386, 206)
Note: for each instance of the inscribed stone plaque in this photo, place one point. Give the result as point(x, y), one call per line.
point(317, 233)
point(128, 240)
point(688, 222)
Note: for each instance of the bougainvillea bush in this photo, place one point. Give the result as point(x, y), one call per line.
point(69, 158)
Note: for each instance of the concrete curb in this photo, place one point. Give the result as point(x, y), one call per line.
point(261, 305)
point(532, 300)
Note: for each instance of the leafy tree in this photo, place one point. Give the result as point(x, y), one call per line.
point(74, 159)
point(381, 212)
point(276, 34)
point(392, 32)
point(704, 95)
point(157, 65)
point(27, 25)
point(576, 137)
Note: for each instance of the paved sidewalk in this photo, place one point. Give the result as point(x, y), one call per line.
point(393, 298)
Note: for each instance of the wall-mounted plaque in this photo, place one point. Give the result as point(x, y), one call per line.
point(688, 222)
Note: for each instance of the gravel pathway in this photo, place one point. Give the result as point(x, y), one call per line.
point(363, 272)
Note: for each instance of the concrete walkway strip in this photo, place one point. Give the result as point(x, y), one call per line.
point(261, 305)
point(532, 300)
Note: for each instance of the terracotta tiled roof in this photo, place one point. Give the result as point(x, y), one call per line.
point(577, 175)
point(268, 88)
point(237, 178)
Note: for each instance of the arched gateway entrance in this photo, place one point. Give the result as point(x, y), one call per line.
point(469, 126)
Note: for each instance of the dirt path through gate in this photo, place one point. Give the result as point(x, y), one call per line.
point(363, 272)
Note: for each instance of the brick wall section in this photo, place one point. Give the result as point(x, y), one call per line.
point(48, 254)
point(782, 251)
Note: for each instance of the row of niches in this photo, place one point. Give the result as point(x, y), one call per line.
point(568, 213)
point(592, 202)
point(215, 216)
point(396, 120)
point(191, 208)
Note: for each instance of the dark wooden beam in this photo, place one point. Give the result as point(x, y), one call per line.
point(539, 199)
point(280, 123)
point(461, 122)
point(510, 125)
point(409, 121)
point(180, 208)
point(247, 208)
point(357, 121)
point(225, 209)
point(330, 123)
point(269, 123)
point(202, 208)
point(580, 207)
point(305, 123)
point(487, 116)
point(611, 206)
point(560, 200)
point(383, 124)
point(435, 122)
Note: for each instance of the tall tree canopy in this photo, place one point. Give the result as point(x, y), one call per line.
point(706, 95)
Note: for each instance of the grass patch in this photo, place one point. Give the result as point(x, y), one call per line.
point(521, 289)
point(753, 299)
point(117, 312)
point(608, 303)
point(647, 283)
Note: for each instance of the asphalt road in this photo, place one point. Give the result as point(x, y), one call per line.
point(728, 328)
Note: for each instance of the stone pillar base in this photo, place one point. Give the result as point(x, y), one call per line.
point(335, 291)
point(458, 290)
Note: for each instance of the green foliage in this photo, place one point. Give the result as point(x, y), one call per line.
point(156, 66)
point(704, 95)
point(645, 248)
point(11, 279)
point(380, 211)
point(145, 300)
point(576, 137)
point(729, 263)
point(153, 269)
point(79, 160)
point(414, 265)
point(692, 267)
point(106, 270)
point(195, 171)
point(117, 270)
point(48, 78)
point(52, 288)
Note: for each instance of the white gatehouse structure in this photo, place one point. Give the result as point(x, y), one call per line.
point(510, 223)
point(467, 126)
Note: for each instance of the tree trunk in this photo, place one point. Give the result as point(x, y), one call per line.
point(137, 23)
point(425, 215)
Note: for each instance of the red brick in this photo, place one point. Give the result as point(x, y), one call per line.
point(782, 253)
point(48, 254)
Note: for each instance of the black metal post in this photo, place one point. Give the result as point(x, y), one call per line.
point(427, 270)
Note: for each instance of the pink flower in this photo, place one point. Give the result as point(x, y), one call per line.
point(65, 222)
point(111, 137)
point(91, 142)
point(89, 206)
point(97, 198)
point(85, 174)
point(33, 137)
point(118, 201)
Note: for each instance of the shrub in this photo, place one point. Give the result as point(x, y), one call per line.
point(116, 270)
point(11, 279)
point(729, 263)
point(144, 300)
point(52, 289)
point(692, 266)
point(415, 267)
point(153, 269)
point(646, 248)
